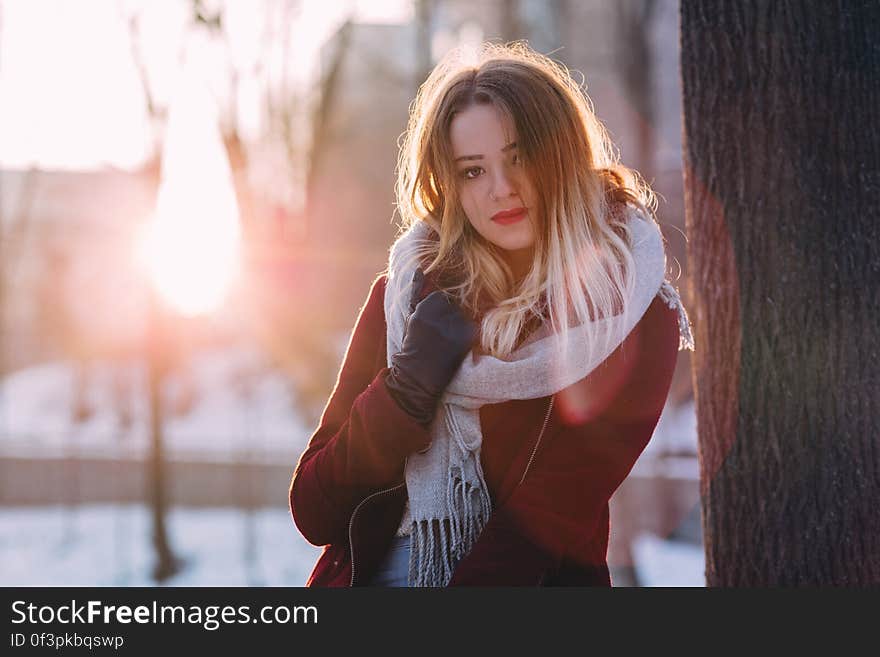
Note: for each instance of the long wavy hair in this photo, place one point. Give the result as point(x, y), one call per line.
point(582, 267)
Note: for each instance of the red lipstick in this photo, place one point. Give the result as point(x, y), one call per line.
point(509, 216)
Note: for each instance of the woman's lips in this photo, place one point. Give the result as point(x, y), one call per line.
point(510, 216)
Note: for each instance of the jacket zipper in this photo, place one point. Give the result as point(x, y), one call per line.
point(351, 522)
point(531, 458)
point(538, 442)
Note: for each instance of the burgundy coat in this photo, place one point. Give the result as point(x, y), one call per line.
point(348, 492)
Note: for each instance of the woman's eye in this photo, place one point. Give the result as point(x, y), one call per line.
point(471, 172)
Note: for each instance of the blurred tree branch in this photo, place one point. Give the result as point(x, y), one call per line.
point(635, 19)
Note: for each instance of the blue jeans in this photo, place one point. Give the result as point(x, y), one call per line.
point(394, 569)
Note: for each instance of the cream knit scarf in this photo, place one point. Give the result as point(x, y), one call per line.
point(448, 500)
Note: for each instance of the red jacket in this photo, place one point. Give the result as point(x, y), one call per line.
point(347, 492)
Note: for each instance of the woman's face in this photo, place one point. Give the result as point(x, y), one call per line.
point(491, 180)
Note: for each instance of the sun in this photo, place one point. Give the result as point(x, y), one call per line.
point(191, 247)
point(191, 261)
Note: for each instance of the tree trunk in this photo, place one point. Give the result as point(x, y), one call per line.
point(635, 61)
point(424, 10)
point(782, 196)
point(166, 564)
point(510, 19)
point(329, 91)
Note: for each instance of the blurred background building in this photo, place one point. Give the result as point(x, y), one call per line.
point(305, 103)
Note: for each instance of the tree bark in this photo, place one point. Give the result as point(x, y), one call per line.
point(782, 197)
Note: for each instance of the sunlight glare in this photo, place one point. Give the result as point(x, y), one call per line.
point(191, 248)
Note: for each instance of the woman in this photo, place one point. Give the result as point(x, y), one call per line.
point(476, 433)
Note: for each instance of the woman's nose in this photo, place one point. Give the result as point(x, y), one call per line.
point(502, 186)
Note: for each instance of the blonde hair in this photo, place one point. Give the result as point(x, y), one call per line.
point(582, 267)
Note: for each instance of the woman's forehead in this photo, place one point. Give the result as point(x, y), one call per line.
point(480, 130)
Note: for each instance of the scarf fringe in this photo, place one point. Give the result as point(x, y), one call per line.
point(437, 545)
point(685, 335)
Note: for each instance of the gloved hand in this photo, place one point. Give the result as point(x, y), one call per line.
point(438, 335)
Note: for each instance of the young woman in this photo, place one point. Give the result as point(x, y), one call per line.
point(510, 364)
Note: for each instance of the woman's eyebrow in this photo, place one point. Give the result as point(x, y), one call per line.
point(480, 157)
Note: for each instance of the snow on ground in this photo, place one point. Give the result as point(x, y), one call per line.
point(110, 545)
point(106, 545)
point(231, 405)
point(660, 562)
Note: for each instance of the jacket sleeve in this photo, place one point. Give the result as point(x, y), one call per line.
point(601, 426)
point(362, 439)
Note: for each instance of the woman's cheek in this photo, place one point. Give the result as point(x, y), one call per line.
point(471, 207)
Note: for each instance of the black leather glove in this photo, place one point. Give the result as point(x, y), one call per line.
point(438, 336)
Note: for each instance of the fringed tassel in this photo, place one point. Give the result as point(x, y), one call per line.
point(436, 546)
point(670, 295)
point(427, 562)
